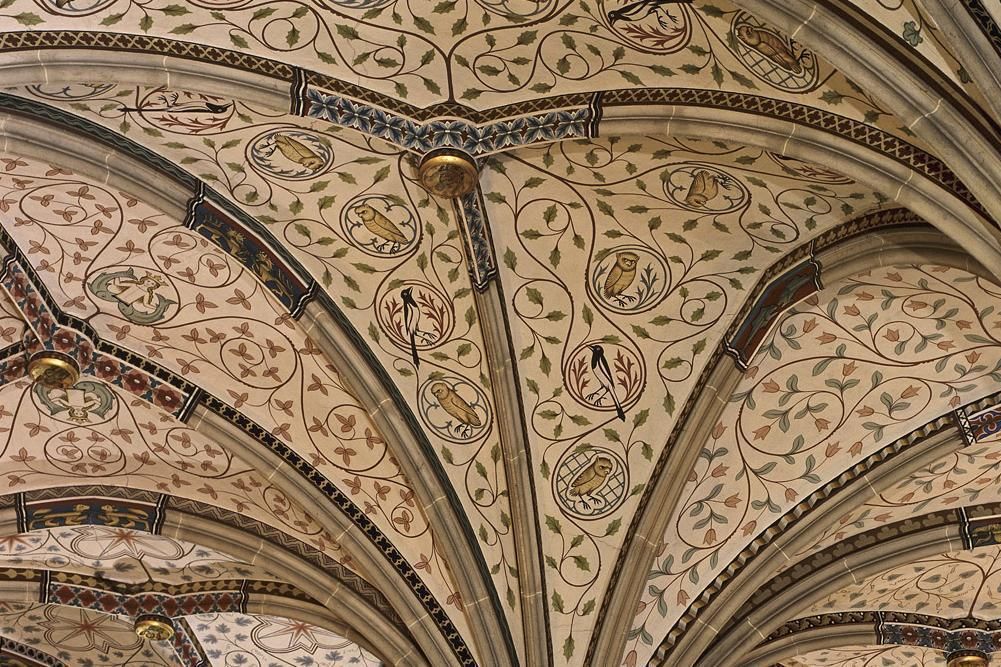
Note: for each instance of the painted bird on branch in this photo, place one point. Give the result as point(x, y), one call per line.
point(636, 11)
point(602, 372)
point(411, 317)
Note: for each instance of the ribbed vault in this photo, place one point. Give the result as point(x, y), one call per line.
point(719, 317)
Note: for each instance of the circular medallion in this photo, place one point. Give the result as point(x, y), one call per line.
point(590, 482)
point(448, 173)
point(604, 376)
point(380, 226)
point(704, 188)
point(414, 314)
point(154, 627)
point(85, 402)
point(53, 369)
point(807, 170)
point(455, 409)
point(657, 27)
point(290, 154)
point(774, 58)
point(629, 279)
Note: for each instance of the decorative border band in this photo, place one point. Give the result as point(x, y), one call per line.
point(894, 628)
point(424, 137)
point(25, 656)
point(475, 230)
point(986, 21)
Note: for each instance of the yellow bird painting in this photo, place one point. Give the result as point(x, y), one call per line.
point(771, 46)
point(592, 478)
point(457, 407)
point(298, 152)
point(381, 226)
point(704, 188)
point(621, 277)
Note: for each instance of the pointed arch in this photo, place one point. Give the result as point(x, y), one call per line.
point(921, 95)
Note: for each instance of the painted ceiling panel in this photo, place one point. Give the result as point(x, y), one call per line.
point(965, 477)
point(869, 656)
point(487, 53)
point(379, 237)
point(965, 584)
point(626, 264)
point(84, 638)
point(151, 285)
point(848, 370)
point(645, 248)
point(124, 555)
point(270, 641)
point(124, 441)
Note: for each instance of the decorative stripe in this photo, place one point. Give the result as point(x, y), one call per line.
point(21, 512)
point(156, 526)
point(106, 597)
point(187, 646)
point(43, 587)
point(95, 511)
point(469, 137)
point(471, 213)
point(964, 528)
point(965, 428)
point(986, 22)
point(982, 423)
point(596, 112)
point(31, 655)
point(895, 628)
point(297, 93)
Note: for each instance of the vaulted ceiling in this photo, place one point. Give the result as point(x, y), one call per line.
point(703, 371)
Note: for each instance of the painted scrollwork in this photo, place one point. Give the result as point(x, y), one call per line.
point(630, 253)
point(233, 338)
point(842, 374)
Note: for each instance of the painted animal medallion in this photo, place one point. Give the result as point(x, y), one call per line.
point(590, 482)
point(629, 279)
point(290, 154)
point(142, 296)
point(455, 409)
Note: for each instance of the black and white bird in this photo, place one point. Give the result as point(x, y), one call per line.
point(411, 316)
point(599, 366)
point(639, 10)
